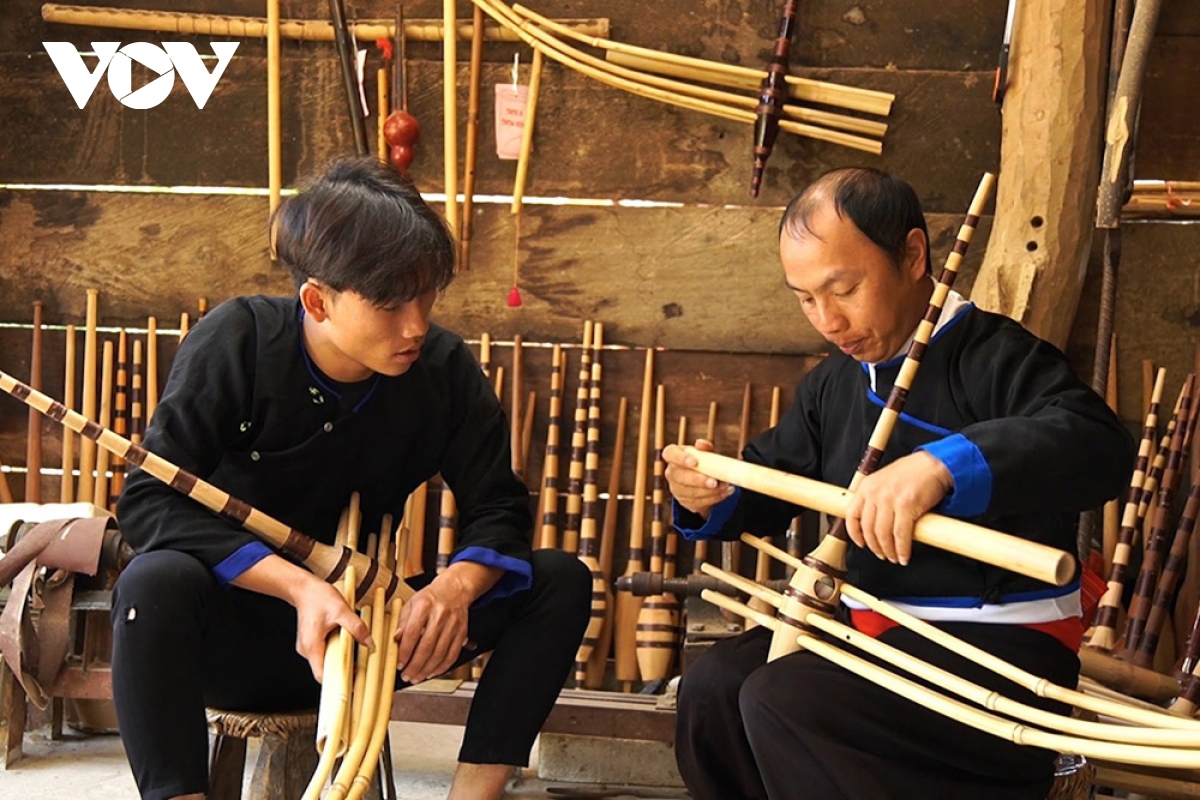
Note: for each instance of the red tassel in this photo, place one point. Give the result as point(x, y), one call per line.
point(514, 297)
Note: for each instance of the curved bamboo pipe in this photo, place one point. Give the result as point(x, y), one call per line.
point(362, 780)
point(335, 699)
point(326, 561)
point(369, 690)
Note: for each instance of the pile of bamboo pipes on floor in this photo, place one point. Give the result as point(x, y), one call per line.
point(117, 388)
point(691, 82)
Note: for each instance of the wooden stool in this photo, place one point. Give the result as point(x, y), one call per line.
point(286, 761)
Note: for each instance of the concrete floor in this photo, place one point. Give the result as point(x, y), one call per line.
point(83, 767)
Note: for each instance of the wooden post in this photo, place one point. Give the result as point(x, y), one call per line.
point(1049, 159)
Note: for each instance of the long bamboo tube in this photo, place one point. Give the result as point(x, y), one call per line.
point(450, 111)
point(33, 439)
point(530, 410)
point(362, 780)
point(762, 563)
point(66, 490)
point(658, 618)
point(472, 153)
point(1104, 633)
point(370, 691)
point(151, 368)
point(625, 620)
point(120, 423)
point(822, 92)
point(731, 552)
point(597, 667)
point(589, 545)
point(447, 525)
point(308, 30)
point(381, 103)
point(531, 103)
point(700, 548)
point(414, 519)
point(87, 448)
point(549, 499)
point(335, 699)
point(1111, 516)
point(325, 561)
point(1168, 581)
point(952, 535)
point(575, 468)
point(100, 489)
point(515, 419)
point(274, 115)
point(644, 85)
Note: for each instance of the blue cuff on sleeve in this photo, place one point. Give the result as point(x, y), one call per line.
point(239, 561)
point(972, 477)
point(718, 515)
point(517, 577)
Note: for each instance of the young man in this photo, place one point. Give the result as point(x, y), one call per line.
point(996, 430)
point(292, 404)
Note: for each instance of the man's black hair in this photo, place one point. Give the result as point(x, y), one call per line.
point(885, 208)
point(363, 227)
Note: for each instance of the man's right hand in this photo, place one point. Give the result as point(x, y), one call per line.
point(696, 492)
point(320, 610)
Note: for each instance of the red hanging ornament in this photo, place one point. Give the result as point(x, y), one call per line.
point(514, 297)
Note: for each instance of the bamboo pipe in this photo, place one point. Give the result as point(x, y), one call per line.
point(185, 325)
point(419, 504)
point(608, 535)
point(447, 524)
point(812, 116)
point(327, 562)
point(640, 83)
point(530, 411)
point(625, 620)
point(151, 368)
point(658, 618)
point(274, 113)
point(700, 548)
point(1111, 525)
point(87, 448)
point(362, 780)
point(762, 562)
point(589, 546)
point(370, 690)
point(990, 699)
point(472, 154)
point(66, 489)
point(1168, 580)
point(308, 30)
point(100, 489)
point(671, 560)
point(120, 418)
point(381, 102)
point(952, 535)
point(450, 101)
point(5, 492)
point(137, 409)
point(344, 44)
point(1158, 787)
point(515, 426)
point(1157, 465)
point(549, 499)
point(335, 699)
point(531, 103)
point(574, 508)
point(33, 437)
point(821, 92)
point(731, 552)
point(1104, 633)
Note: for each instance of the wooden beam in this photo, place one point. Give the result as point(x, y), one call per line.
point(1049, 156)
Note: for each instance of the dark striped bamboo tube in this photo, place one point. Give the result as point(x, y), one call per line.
point(447, 525)
point(575, 468)
point(33, 441)
point(1158, 463)
point(816, 587)
point(325, 561)
point(589, 543)
point(87, 405)
point(1104, 632)
point(549, 498)
point(120, 417)
point(515, 426)
point(1168, 580)
point(137, 407)
point(658, 619)
point(625, 621)
point(1155, 551)
point(66, 488)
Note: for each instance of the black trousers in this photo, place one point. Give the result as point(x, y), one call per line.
point(801, 727)
point(181, 642)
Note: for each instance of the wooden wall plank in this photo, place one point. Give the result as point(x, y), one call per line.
point(919, 34)
point(674, 277)
point(1168, 146)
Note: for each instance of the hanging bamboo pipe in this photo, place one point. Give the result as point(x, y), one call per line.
point(66, 490)
point(87, 448)
point(472, 154)
point(450, 102)
point(625, 620)
point(326, 562)
point(33, 440)
point(531, 103)
point(549, 498)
